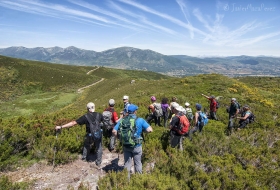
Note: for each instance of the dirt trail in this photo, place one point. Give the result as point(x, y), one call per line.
point(68, 175)
point(80, 90)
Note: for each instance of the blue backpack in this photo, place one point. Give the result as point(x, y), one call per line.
point(202, 119)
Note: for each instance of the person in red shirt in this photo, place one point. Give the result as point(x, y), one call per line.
point(213, 106)
point(114, 120)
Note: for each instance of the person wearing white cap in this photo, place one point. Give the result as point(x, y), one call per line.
point(110, 119)
point(125, 106)
point(189, 112)
point(233, 110)
point(93, 132)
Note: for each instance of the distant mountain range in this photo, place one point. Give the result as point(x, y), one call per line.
point(137, 59)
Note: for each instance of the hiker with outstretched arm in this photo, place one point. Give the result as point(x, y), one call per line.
point(130, 129)
point(213, 106)
point(93, 132)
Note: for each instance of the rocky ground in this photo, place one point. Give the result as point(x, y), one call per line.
point(72, 174)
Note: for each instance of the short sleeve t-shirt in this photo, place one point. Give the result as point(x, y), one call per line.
point(83, 120)
point(141, 125)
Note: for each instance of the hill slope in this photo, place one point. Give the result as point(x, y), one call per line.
point(247, 159)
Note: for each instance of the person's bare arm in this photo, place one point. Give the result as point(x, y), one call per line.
point(115, 132)
point(67, 125)
point(149, 129)
point(245, 117)
point(205, 96)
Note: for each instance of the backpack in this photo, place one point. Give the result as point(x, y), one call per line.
point(189, 115)
point(217, 104)
point(184, 125)
point(158, 109)
point(94, 127)
point(202, 119)
point(107, 118)
point(237, 105)
point(251, 118)
point(127, 131)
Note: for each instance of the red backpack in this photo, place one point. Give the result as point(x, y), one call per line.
point(184, 125)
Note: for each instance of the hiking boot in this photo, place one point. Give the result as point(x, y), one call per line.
point(98, 167)
point(84, 160)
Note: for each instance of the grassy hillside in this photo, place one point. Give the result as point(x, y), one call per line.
point(247, 159)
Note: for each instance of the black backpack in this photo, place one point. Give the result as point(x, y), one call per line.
point(95, 129)
point(251, 118)
point(217, 104)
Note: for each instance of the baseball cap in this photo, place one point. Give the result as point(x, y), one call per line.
point(132, 108)
point(233, 99)
point(111, 102)
point(125, 97)
point(198, 106)
point(91, 107)
point(187, 104)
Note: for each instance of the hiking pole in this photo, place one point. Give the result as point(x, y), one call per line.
point(56, 134)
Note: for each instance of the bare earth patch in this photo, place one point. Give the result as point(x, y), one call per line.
point(68, 175)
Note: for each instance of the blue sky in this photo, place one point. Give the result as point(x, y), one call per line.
point(170, 27)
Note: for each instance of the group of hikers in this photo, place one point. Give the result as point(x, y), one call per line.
point(129, 128)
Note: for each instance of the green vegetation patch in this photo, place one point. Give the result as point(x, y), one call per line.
point(38, 103)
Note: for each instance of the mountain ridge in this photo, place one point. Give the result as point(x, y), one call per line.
point(148, 60)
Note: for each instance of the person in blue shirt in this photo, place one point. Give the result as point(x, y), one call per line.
point(134, 152)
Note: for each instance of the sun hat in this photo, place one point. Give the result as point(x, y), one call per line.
point(180, 108)
point(187, 104)
point(174, 105)
point(91, 107)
